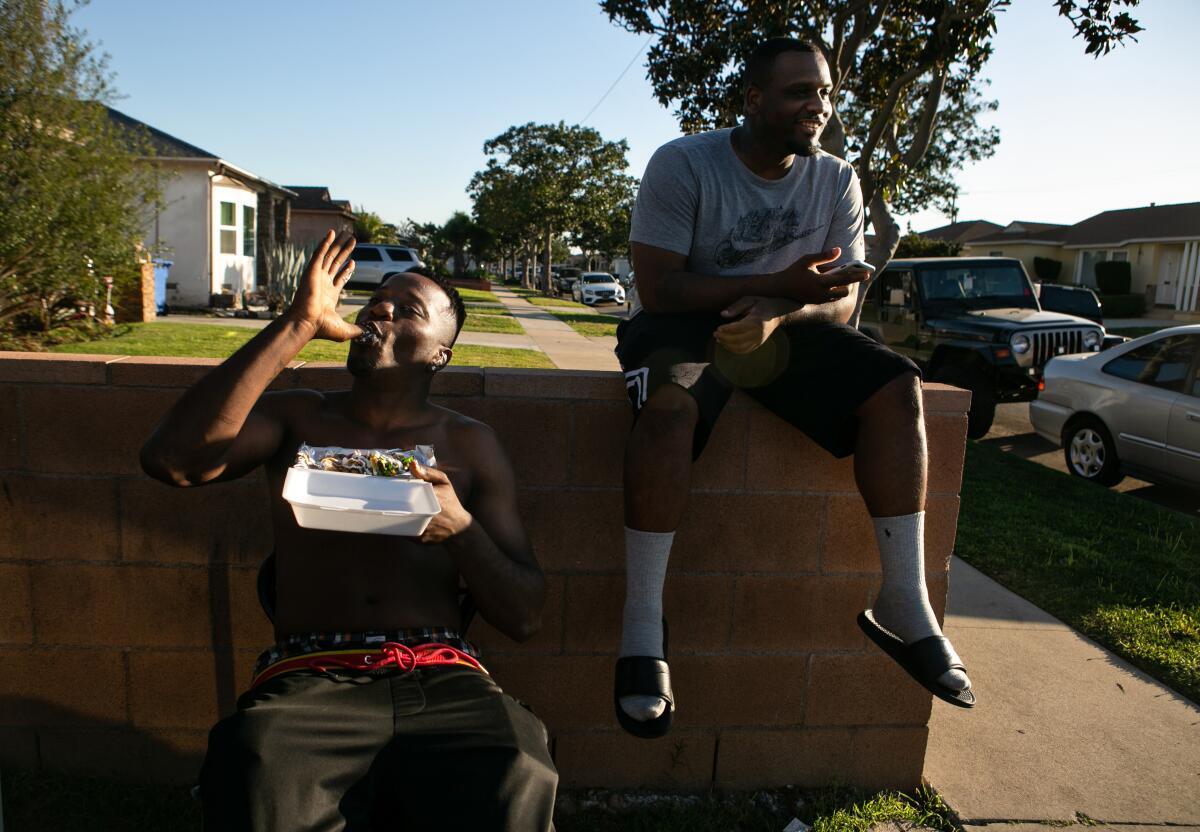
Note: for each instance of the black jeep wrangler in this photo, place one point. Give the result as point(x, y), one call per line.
point(975, 323)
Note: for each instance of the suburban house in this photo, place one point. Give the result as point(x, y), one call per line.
point(961, 232)
point(1024, 240)
point(215, 220)
point(1160, 242)
point(314, 212)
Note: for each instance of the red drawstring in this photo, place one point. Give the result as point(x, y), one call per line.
point(398, 655)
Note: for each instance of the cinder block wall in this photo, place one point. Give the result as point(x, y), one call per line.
point(129, 621)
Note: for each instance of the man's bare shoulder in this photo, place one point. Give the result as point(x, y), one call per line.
point(466, 429)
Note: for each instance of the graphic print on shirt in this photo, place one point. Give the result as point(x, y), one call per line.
point(758, 233)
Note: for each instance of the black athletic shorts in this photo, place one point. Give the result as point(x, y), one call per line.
point(813, 375)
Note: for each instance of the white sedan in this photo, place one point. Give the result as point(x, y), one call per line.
point(1133, 409)
point(597, 287)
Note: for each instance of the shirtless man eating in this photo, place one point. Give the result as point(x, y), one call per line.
point(371, 711)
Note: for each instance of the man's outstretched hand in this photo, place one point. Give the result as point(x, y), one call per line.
point(806, 282)
point(316, 300)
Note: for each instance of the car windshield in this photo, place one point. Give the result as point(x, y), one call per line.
point(972, 283)
point(597, 278)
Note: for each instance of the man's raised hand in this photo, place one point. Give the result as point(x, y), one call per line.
point(805, 282)
point(316, 300)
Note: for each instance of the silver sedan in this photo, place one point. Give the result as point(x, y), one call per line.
point(1133, 409)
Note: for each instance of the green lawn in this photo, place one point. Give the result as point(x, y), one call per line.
point(476, 296)
point(1138, 331)
point(593, 326)
point(60, 803)
point(207, 341)
point(541, 300)
point(487, 322)
point(1116, 568)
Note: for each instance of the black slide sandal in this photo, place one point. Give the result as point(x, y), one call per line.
point(644, 676)
point(924, 660)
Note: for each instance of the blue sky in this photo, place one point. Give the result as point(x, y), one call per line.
point(389, 103)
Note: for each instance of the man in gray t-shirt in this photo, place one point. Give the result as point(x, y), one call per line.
point(698, 199)
point(736, 239)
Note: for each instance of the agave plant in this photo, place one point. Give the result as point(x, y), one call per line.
point(285, 263)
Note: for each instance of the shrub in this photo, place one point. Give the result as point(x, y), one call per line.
point(1113, 277)
point(1047, 269)
point(1123, 306)
point(914, 245)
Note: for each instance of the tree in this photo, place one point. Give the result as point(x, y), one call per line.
point(556, 172)
point(74, 195)
point(504, 206)
point(907, 88)
point(458, 233)
point(914, 245)
point(369, 227)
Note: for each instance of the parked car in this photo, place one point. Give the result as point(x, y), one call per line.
point(1134, 409)
point(975, 323)
point(597, 287)
point(564, 281)
point(375, 263)
point(1074, 300)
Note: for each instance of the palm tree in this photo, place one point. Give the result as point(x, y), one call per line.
point(458, 232)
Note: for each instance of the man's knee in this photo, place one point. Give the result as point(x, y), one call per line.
point(899, 399)
point(668, 416)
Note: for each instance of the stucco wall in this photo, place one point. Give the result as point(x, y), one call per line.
point(183, 228)
point(129, 620)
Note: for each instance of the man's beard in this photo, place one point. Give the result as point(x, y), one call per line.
point(808, 147)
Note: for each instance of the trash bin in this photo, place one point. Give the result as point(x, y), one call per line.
point(161, 269)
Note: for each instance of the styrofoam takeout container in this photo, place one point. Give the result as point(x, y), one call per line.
point(359, 503)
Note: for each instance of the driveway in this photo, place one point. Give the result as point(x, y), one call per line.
point(1012, 432)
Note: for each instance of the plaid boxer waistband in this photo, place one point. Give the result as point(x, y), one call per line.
point(375, 657)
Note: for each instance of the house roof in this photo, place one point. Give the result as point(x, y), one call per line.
point(166, 146)
point(1151, 222)
point(317, 198)
point(1019, 231)
point(961, 232)
point(163, 144)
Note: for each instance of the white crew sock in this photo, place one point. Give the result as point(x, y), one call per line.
point(646, 555)
point(903, 603)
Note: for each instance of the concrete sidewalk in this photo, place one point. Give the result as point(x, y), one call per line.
point(564, 346)
point(1064, 730)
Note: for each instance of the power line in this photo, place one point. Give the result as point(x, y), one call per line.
point(619, 77)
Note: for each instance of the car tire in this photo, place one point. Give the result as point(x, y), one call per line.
point(983, 398)
point(1090, 452)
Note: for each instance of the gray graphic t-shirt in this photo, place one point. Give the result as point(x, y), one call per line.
point(698, 198)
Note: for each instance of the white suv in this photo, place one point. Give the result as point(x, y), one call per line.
point(375, 263)
point(597, 287)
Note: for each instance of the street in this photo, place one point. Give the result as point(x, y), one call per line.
point(1012, 432)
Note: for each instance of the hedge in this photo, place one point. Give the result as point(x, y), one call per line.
point(1123, 306)
point(1047, 269)
point(1114, 277)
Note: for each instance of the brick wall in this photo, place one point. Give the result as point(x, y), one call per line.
point(129, 621)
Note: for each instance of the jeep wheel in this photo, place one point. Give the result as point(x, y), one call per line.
point(983, 398)
point(1090, 452)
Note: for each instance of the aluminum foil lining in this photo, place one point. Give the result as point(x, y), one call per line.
point(376, 462)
